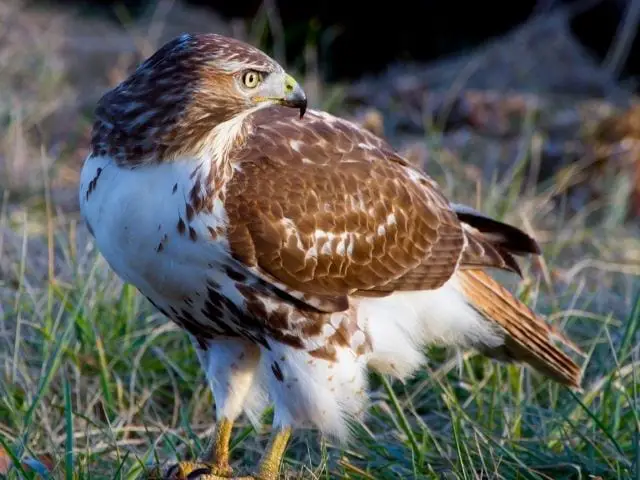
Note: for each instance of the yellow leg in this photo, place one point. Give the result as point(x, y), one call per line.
point(270, 464)
point(215, 466)
point(220, 450)
point(218, 468)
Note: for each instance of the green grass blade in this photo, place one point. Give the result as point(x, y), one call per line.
point(459, 444)
point(633, 324)
point(402, 418)
point(52, 367)
point(68, 409)
point(14, 459)
point(53, 364)
point(598, 423)
point(104, 377)
point(118, 473)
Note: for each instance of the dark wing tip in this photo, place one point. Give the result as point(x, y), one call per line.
point(506, 236)
point(511, 262)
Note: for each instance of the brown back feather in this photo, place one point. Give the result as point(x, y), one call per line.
point(350, 216)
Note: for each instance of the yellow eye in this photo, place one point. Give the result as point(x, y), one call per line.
point(251, 79)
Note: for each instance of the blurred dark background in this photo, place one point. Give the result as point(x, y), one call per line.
point(357, 36)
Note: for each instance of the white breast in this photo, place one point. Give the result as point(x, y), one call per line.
point(134, 216)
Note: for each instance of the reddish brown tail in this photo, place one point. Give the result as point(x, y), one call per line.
point(529, 338)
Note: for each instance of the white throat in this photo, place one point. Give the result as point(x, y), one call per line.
point(224, 136)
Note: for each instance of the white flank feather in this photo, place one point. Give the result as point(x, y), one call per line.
point(402, 324)
point(312, 392)
point(230, 365)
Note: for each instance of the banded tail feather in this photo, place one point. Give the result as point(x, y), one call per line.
point(529, 338)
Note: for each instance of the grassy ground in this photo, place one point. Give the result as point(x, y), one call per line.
point(95, 384)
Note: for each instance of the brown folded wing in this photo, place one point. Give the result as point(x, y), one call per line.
point(326, 210)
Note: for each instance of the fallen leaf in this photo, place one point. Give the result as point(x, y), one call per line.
point(5, 461)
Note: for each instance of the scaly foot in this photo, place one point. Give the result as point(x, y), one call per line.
point(269, 468)
point(187, 470)
point(214, 466)
point(198, 471)
point(219, 469)
point(270, 465)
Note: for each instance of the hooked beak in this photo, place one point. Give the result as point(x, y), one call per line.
point(294, 95)
point(283, 90)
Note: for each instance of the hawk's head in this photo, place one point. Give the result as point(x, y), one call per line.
point(175, 98)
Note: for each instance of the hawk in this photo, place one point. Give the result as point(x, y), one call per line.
point(297, 249)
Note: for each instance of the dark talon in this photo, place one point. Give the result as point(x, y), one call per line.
point(193, 475)
point(172, 469)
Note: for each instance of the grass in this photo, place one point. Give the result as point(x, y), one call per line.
point(99, 384)
point(95, 384)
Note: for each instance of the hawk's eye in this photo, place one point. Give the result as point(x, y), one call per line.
point(251, 78)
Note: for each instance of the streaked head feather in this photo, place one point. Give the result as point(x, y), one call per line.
point(175, 98)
